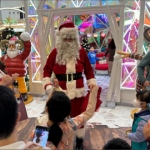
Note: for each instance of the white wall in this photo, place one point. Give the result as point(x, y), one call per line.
point(11, 3)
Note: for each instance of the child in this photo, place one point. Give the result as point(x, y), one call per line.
point(92, 57)
point(117, 143)
point(140, 119)
point(61, 129)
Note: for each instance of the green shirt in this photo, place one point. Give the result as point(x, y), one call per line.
point(140, 68)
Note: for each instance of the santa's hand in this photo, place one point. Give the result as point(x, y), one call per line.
point(6, 80)
point(15, 76)
point(56, 83)
point(25, 36)
point(49, 89)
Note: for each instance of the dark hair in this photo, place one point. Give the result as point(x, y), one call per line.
point(117, 143)
point(2, 66)
point(38, 135)
point(59, 107)
point(8, 112)
point(112, 45)
point(143, 96)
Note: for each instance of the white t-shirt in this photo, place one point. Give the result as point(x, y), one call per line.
point(16, 145)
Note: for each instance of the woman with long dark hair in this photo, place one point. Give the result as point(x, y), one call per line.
point(111, 51)
point(61, 127)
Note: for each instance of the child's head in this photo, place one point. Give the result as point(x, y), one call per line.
point(142, 99)
point(58, 108)
point(117, 143)
point(92, 49)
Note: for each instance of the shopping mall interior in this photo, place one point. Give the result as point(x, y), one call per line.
point(98, 23)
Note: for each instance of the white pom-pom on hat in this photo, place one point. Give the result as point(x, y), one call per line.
point(25, 36)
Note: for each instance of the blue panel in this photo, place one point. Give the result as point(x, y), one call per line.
point(98, 23)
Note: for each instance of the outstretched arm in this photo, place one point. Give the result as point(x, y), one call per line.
point(135, 56)
point(81, 119)
point(138, 136)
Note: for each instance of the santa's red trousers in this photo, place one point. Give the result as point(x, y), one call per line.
point(76, 104)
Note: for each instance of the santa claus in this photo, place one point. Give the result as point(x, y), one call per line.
point(68, 61)
point(15, 61)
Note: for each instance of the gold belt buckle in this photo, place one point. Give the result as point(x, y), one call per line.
point(67, 75)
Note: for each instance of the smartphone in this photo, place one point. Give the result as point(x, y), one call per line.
point(41, 135)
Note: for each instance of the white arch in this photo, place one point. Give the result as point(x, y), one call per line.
point(8, 8)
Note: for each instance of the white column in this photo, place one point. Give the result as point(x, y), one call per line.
point(141, 26)
point(29, 58)
point(26, 15)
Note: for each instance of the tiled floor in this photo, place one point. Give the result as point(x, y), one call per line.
point(118, 117)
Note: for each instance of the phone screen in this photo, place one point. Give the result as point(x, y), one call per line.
point(41, 135)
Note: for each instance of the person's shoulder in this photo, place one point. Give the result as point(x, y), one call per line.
point(148, 53)
point(16, 145)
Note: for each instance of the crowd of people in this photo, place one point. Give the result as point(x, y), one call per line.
point(67, 110)
point(62, 127)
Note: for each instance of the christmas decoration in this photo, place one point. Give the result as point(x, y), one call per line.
point(84, 43)
point(9, 21)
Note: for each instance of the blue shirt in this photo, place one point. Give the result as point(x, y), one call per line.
point(92, 57)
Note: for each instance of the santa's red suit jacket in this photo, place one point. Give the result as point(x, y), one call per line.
point(75, 88)
point(17, 64)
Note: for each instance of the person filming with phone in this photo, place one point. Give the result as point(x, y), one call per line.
point(9, 116)
point(61, 127)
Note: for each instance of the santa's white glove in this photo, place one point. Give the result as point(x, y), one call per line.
point(25, 36)
point(49, 89)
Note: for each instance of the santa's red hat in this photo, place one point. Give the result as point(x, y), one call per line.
point(67, 27)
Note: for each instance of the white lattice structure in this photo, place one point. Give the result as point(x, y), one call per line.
point(48, 40)
point(126, 36)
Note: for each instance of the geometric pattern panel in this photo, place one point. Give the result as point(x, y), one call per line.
point(130, 42)
point(35, 47)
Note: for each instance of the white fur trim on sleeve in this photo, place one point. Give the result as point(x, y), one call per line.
point(46, 80)
point(49, 89)
point(80, 133)
point(25, 36)
point(91, 81)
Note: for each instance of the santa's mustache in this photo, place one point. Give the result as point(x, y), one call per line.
point(68, 37)
point(12, 49)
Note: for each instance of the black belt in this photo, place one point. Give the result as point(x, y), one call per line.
point(69, 76)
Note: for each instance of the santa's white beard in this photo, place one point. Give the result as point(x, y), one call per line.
point(12, 53)
point(67, 51)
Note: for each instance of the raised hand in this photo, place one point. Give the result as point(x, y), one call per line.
point(15, 76)
point(123, 54)
point(6, 80)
